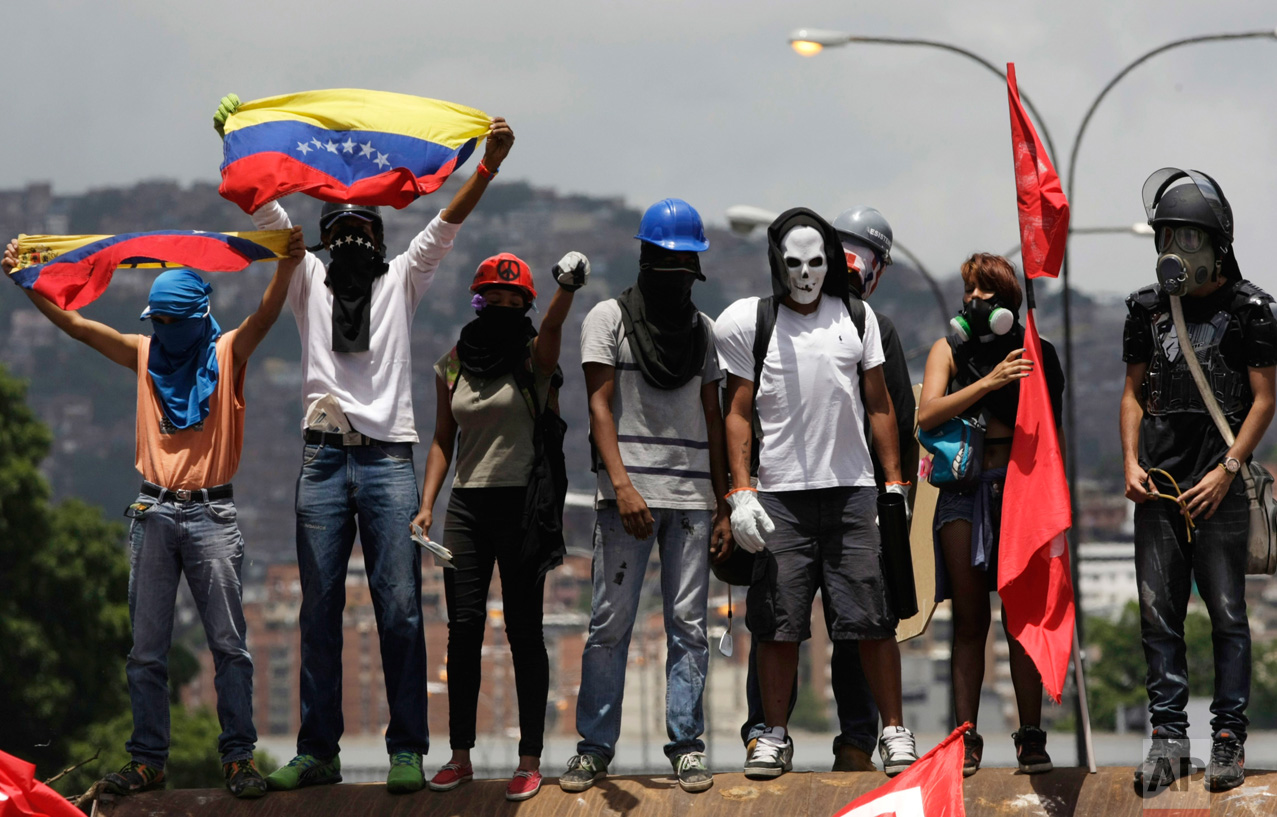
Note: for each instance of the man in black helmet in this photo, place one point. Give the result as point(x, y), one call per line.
point(1191, 512)
point(355, 319)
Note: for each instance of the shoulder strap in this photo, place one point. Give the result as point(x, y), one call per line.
point(525, 379)
point(856, 308)
point(764, 326)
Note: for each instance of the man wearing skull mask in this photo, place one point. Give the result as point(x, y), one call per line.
point(1173, 451)
point(866, 239)
point(812, 516)
point(355, 318)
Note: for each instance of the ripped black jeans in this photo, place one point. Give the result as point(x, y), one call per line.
point(1166, 565)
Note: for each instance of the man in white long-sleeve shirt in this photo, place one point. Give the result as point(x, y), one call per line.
point(355, 317)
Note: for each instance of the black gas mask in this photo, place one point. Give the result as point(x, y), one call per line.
point(983, 318)
point(1186, 259)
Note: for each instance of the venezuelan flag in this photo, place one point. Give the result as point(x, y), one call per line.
point(346, 145)
point(73, 270)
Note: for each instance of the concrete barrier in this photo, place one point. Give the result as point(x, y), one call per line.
point(1070, 792)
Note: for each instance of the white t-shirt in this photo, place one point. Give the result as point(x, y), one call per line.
point(373, 388)
point(809, 402)
point(661, 433)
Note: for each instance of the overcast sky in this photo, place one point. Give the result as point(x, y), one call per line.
point(702, 100)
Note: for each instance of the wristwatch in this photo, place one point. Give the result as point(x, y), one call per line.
point(1232, 465)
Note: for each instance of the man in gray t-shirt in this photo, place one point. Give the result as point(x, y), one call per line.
point(652, 375)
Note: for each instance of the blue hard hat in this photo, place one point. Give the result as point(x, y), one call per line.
point(675, 225)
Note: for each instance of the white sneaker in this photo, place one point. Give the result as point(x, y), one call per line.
point(772, 756)
point(897, 749)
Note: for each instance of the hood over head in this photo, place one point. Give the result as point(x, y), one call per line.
point(836, 281)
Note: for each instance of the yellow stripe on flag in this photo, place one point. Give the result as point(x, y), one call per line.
point(434, 120)
point(41, 249)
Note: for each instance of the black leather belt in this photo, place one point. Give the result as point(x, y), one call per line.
point(188, 494)
point(313, 437)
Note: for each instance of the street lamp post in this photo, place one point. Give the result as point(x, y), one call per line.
point(743, 218)
point(811, 41)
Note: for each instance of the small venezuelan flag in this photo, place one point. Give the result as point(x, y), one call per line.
point(73, 270)
point(345, 145)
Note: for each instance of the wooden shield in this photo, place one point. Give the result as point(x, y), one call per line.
point(924, 561)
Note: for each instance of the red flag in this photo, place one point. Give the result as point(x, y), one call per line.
point(21, 795)
point(1044, 212)
point(931, 787)
point(1033, 559)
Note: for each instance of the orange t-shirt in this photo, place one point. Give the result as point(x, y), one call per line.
point(205, 454)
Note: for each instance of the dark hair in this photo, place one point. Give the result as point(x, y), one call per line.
point(993, 273)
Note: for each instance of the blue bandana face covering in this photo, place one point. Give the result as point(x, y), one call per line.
point(183, 357)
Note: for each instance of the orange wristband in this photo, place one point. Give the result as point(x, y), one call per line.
point(735, 490)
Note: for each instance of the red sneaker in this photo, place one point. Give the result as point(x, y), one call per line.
point(451, 776)
point(523, 785)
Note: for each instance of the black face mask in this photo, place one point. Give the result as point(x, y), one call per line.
point(356, 262)
point(662, 324)
point(496, 341)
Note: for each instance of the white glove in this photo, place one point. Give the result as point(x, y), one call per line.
point(902, 488)
point(750, 523)
point(572, 271)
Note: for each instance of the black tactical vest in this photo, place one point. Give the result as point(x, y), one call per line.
point(1169, 387)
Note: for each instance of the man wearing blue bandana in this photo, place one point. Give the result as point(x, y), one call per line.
point(190, 430)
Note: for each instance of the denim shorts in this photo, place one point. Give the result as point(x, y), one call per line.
point(952, 506)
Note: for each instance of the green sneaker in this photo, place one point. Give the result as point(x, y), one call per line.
point(405, 774)
point(305, 770)
point(134, 778)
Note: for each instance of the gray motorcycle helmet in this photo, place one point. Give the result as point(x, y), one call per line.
point(869, 226)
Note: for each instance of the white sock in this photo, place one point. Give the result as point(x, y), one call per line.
point(774, 735)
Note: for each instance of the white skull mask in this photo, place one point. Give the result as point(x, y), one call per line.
point(804, 252)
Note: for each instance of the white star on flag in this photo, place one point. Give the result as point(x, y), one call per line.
point(365, 149)
point(332, 148)
point(348, 146)
point(318, 144)
point(381, 160)
point(303, 147)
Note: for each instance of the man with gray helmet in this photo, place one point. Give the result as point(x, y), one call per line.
point(866, 238)
point(1191, 509)
point(355, 320)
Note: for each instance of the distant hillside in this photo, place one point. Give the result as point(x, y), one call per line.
point(90, 403)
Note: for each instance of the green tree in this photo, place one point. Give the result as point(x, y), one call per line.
point(63, 600)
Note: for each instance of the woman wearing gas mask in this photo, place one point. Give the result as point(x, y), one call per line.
point(974, 373)
point(491, 389)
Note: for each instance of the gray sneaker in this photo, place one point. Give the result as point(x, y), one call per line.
point(693, 774)
point(582, 771)
point(770, 757)
point(897, 749)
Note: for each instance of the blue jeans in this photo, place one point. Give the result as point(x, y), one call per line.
point(375, 486)
point(203, 541)
point(857, 711)
point(1166, 564)
point(620, 562)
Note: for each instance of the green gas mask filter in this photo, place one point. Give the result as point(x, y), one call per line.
point(983, 318)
